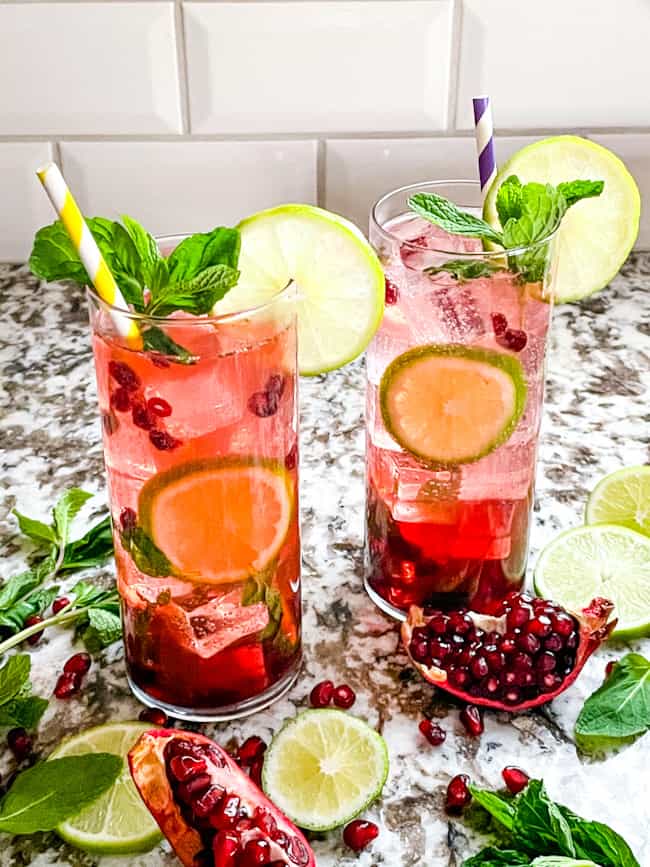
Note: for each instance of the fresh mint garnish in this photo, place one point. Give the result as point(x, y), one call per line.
point(48, 793)
point(465, 269)
point(620, 708)
point(194, 254)
point(196, 295)
point(445, 214)
point(574, 191)
point(154, 339)
point(144, 552)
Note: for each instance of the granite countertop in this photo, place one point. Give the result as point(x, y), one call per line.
point(596, 420)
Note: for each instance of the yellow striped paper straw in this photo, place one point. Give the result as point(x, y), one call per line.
point(89, 253)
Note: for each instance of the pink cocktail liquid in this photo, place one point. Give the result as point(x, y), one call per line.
point(196, 646)
point(453, 536)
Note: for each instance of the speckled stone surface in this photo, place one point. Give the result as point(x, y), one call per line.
point(596, 420)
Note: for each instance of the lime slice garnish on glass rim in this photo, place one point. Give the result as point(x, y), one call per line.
point(596, 234)
point(339, 279)
point(118, 822)
point(449, 404)
point(623, 498)
point(600, 560)
point(324, 767)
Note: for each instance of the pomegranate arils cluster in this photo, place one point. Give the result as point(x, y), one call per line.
point(127, 394)
point(324, 693)
point(509, 338)
point(75, 669)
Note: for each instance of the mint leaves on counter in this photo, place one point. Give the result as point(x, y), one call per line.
point(17, 706)
point(620, 708)
point(50, 792)
point(539, 827)
point(528, 213)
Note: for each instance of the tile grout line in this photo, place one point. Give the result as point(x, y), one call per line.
point(321, 173)
point(181, 61)
point(454, 63)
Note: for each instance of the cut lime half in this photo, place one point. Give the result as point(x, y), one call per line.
point(324, 767)
point(601, 560)
point(339, 279)
point(623, 498)
point(118, 822)
point(596, 234)
point(449, 404)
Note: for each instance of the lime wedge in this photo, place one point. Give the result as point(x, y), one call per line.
point(339, 279)
point(450, 404)
point(118, 822)
point(597, 234)
point(601, 560)
point(622, 498)
point(324, 767)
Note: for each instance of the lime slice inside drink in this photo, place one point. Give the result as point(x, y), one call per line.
point(596, 234)
point(324, 767)
point(118, 822)
point(601, 560)
point(623, 498)
point(339, 280)
point(449, 404)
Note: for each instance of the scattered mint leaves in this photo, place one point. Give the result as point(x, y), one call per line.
point(35, 530)
point(620, 708)
point(445, 214)
point(17, 706)
point(14, 675)
point(93, 549)
point(48, 793)
point(103, 629)
point(66, 509)
point(465, 269)
point(13, 619)
point(154, 339)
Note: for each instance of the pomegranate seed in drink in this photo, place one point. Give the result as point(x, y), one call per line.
point(321, 694)
point(344, 696)
point(163, 441)
point(59, 603)
point(513, 339)
point(515, 779)
point(291, 459)
point(124, 375)
point(252, 749)
point(20, 743)
point(359, 834)
point(458, 794)
point(155, 716)
point(432, 732)
point(121, 400)
point(128, 519)
point(263, 403)
point(392, 292)
point(158, 406)
point(275, 384)
point(141, 416)
point(67, 685)
point(78, 664)
point(470, 717)
point(499, 323)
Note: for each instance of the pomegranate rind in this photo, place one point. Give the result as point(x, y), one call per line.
point(147, 766)
point(595, 627)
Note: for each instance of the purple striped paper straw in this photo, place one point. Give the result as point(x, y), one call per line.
point(487, 167)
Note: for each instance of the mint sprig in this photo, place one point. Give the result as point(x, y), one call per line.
point(18, 707)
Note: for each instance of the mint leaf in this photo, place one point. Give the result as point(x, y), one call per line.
point(23, 712)
point(574, 191)
point(154, 339)
point(493, 857)
point(54, 257)
point(145, 554)
point(600, 843)
point(35, 602)
point(93, 549)
point(542, 208)
point(48, 793)
point(445, 214)
point(149, 259)
point(539, 825)
point(560, 861)
point(36, 530)
point(196, 295)
point(14, 588)
point(509, 200)
point(14, 676)
point(620, 708)
point(104, 628)
point(465, 269)
point(194, 254)
point(499, 807)
point(66, 509)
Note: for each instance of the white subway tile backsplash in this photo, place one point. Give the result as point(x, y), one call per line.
point(24, 206)
point(318, 66)
point(188, 186)
point(558, 64)
point(84, 68)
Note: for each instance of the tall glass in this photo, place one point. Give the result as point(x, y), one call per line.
point(202, 464)
point(448, 527)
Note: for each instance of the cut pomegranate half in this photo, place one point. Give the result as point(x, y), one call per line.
point(523, 656)
point(209, 810)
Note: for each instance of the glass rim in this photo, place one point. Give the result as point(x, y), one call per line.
point(477, 254)
point(213, 319)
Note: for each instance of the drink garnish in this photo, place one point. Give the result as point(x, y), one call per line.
point(465, 269)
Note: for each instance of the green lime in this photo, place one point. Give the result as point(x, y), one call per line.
point(324, 767)
point(450, 404)
point(622, 498)
point(118, 822)
point(339, 279)
point(601, 560)
point(596, 234)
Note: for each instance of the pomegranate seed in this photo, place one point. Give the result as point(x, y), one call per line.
point(281, 839)
point(141, 416)
point(292, 457)
point(459, 676)
point(432, 732)
point(265, 821)
point(256, 852)
point(479, 667)
point(128, 519)
point(549, 682)
point(321, 694)
point(263, 403)
point(67, 685)
point(59, 603)
point(78, 664)
point(32, 621)
point(359, 834)
point(470, 717)
point(499, 323)
point(224, 850)
point(163, 441)
point(438, 624)
point(392, 292)
point(508, 644)
point(159, 406)
point(490, 686)
point(275, 384)
point(459, 623)
point(609, 668)
point(513, 339)
point(545, 662)
point(20, 743)
point(515, 779)
point(495, 660)
point(420, 650)
point(121, 400)
point(124, 375)
point(528, 643)
point(512, 695)
point(553, 643)
point(563, 624)
point(155, 716)
point(206, 803)
point(226, 814)
point(159, 361)
point(297, 852)
point(344, 696)
point(184, 768)
point(255, 771)
point(458, 794)
point(539, 626)
point(252, 749)
point(194, 788)
point(518, 616)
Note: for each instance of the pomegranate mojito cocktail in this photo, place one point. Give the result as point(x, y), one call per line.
point(454, 399)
